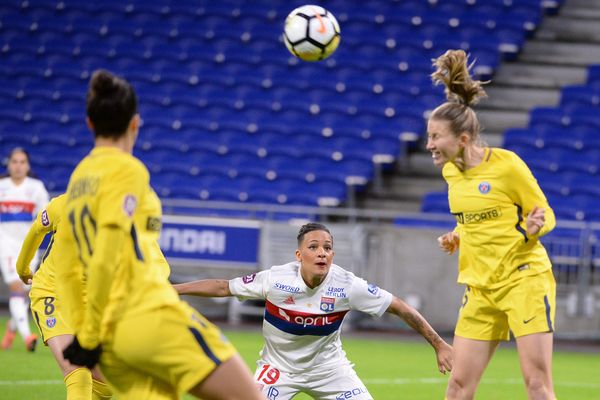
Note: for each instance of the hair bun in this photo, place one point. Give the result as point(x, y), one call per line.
point(104, 83)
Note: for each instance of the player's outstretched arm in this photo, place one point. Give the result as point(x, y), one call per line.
point(416, 321)
point(30, 245)
point(205, 288)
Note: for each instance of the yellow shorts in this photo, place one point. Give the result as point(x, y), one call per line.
point(48, 316)
point(162, 353)
point(524, 307)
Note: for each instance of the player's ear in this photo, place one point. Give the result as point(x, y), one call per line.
point(298, 256)
point(89, 124)
point(134, 124)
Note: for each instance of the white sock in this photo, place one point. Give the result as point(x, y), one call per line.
point(18, 310)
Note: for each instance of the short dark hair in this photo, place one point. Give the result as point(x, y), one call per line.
point(111, 104)
point(311, 226)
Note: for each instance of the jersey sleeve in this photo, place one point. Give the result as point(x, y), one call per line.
point(119, 198)
point(45, 222)
point(253, 286)
point(527, 194)
point(369, 298)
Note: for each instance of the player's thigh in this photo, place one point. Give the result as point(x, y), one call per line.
point(173, 344)
point(218, 385)
point(480, 318)
point(275, 384)
point(471, 357)
point(531, 304)
point(535, 356)
point(49, 316)
point(343, 383)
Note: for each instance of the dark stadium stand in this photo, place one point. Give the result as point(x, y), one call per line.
point(228, 113)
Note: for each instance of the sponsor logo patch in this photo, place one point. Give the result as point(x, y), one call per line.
point(129, 204)
point(249, 278)
point(373, 289)
point(475, 217)
point(287, 288)
point(45, 219)
point(289, 300)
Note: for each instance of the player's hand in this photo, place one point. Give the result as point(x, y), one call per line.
point(77, 355)
point(27, 277)
point(445, 357)
point(449, 242)
point(535, 220)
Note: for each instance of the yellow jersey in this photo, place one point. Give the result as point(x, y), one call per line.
point(490, 203)
point(47, 221)
point(110, 188)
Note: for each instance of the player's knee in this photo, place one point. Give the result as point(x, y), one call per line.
point(457, 389)
point(536, 386)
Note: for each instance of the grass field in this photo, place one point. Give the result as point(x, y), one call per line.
point(392, 370)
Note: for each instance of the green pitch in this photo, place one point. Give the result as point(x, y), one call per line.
point(392, 370)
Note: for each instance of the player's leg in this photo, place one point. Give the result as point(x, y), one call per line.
point(217, 385)
point(471, 357)
point(480, 327)
point(531, 319)
point(17, 301)
point(100, 389)
point(535, 355)
point(196, 350)
point(342, 383)
point(78, 380)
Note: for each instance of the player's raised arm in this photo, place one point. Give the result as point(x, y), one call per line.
point(416, 321)
point(205, 288)
point(32, 242)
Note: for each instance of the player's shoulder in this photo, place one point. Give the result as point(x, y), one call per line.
point(34, 183)
point(58, 202)
point(500, 154)
point(340, 275)
point(288, 269)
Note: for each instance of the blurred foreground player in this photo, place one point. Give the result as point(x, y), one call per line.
point(150, 345)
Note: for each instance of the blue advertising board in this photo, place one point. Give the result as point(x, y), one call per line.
point(210, 239)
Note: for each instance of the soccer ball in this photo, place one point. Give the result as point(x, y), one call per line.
point(311, 33)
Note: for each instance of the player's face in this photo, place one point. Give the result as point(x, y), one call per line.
point(18, 166)
point(315, 255)
point(441, 142)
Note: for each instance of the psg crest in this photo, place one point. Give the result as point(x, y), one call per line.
point(484, 188)
point(50, 322)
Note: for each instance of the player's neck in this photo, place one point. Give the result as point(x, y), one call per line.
point(122, 143)
point(18, 181)
point(471, 157)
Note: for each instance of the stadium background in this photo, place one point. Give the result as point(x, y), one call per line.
point(245, 141)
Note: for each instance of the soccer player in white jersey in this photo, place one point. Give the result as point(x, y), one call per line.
point(306, 301)
point(21, 197)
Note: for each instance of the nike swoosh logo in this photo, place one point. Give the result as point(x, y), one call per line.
point(322, 28)
point(526, 321)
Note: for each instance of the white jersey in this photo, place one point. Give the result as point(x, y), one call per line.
point(19, 205)
point(301, 325)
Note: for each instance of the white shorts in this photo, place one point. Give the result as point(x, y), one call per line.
point(9, 252)
point(341, 383)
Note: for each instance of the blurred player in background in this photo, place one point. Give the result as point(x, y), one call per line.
point(501, 213)
point(306, 302)
point(21, 197)
point(47, 309)
point(150, 344)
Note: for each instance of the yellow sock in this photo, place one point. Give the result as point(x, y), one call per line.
point(79, 384)
point(100, 390)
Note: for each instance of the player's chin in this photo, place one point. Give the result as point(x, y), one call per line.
point(322, 268)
